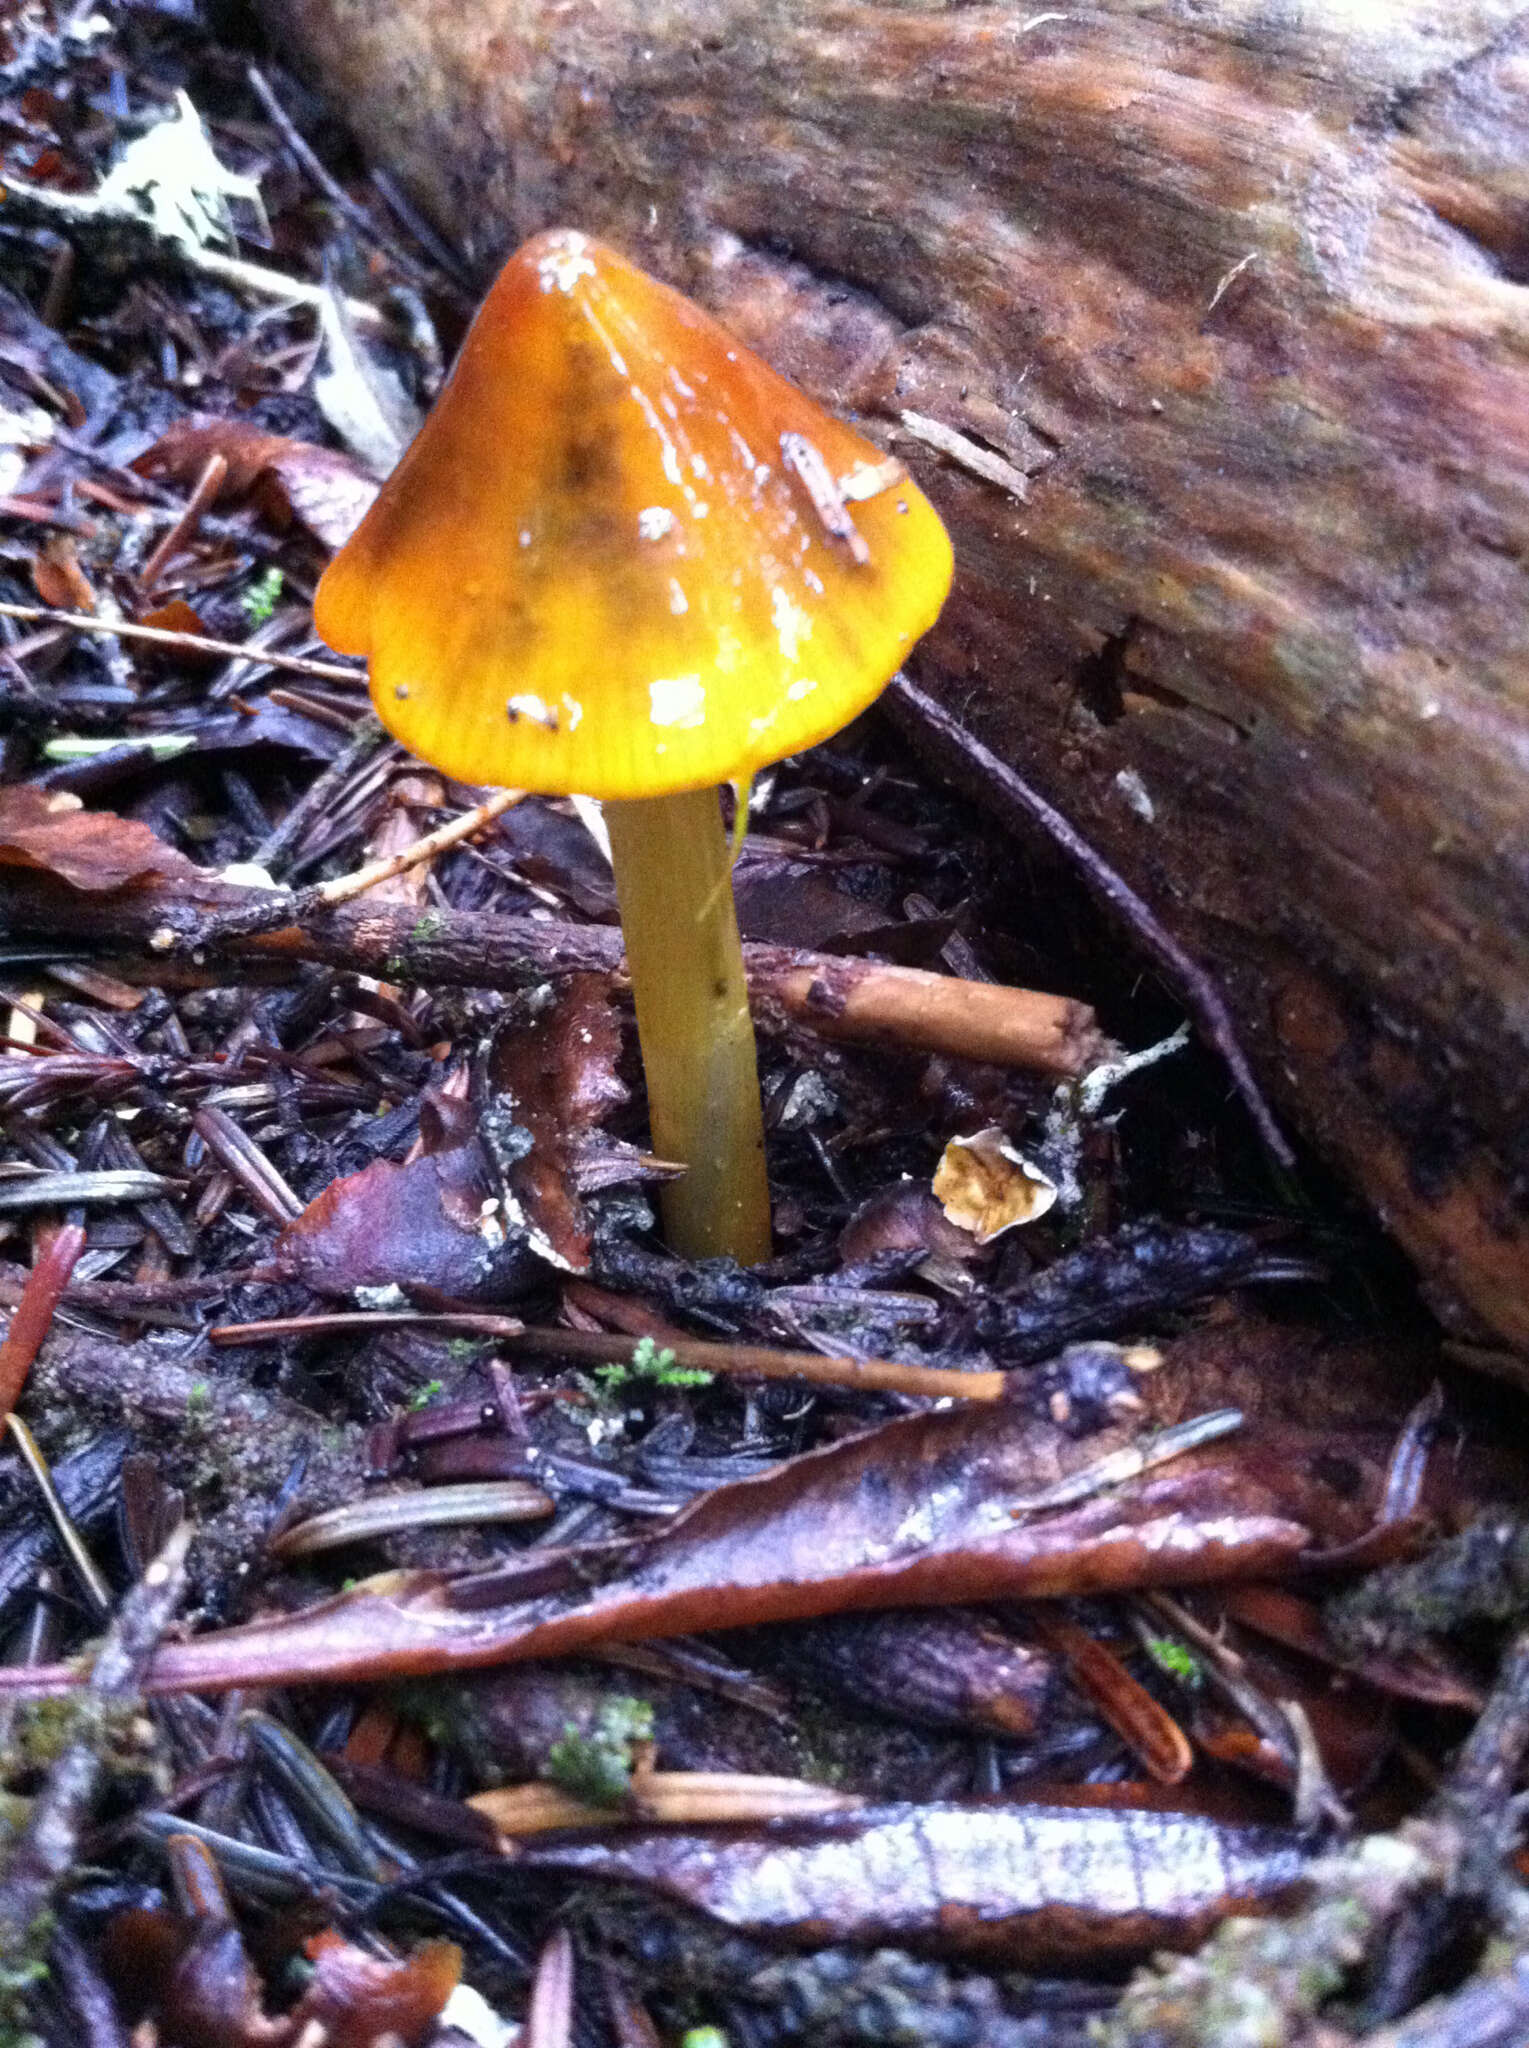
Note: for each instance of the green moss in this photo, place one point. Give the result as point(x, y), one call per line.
point(649, 1362)
point(597, 1767)
point(1178, 1661)
point(260, 600)
point(21, 1971)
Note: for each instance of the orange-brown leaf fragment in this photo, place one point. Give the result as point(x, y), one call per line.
point(361, 1999)
point(323, 488)
point(93, 850)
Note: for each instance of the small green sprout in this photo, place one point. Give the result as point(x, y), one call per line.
point(703, 2037)
point(597, 1767)
point(423, 1396)
point(198, 1400)
point(262, 597)
point(1176, 1660)
point(649, 1362)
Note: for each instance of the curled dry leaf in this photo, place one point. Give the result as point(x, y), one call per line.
point(433, 1222)
point(94, 850)
point(918, 1512)
point(456, 1220)
point(985, 1186)
point(193, 1977)
point(326, 490)
point(1035, 1886)
point(360, 1999)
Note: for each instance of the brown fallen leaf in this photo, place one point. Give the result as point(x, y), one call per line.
point(326, 490)
point(432, 1222)
point(556, 1076)
point(918, 1512)
point(94, 850)
point(1037, 1886)
point(355, 1999)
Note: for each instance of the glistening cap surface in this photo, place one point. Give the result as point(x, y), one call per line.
point(622, 556)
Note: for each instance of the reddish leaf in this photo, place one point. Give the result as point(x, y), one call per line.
point(1137, 1718)
point(558, 1074)
point(192, 1975)
point(918, 1512)
point(1424, 1672)
point(34, 1314)
point(1038, 1886)
point(422, 1224)
point(178, 617)
point(360, 1999)
point(326, 490)
point(93, 850)
point(60, 580)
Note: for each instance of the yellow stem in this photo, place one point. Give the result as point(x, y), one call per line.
point(674, 886)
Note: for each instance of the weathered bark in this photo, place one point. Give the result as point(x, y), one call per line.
point(1236, 294)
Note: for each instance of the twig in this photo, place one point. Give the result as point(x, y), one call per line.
point(1491, 2010)
point(344, 887)
point(858, 1001)
point(208, 484)
point(435, 246)
point(968, 454)
point(47, 1850)
point(183, 643)
point(415, 271)
point(1480, 1783)
point(74, 211)
point(691, 1354)
point(976, 768)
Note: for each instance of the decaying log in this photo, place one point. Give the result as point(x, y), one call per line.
point(1205, 324)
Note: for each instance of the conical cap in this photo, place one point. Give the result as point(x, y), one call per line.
point(617, 558)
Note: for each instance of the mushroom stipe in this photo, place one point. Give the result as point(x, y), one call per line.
point(620, 559)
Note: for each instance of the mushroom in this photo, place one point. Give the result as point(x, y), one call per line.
point(623, 558)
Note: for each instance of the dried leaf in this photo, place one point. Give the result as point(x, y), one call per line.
point(327, 491)
point(918, 1512)
point(61, 582)
point(1039, 1886)
point(557, 1077)
point(93, 850)
point(904, 1218)
point(986, 1187)
point(178, 617)
point(360, 1999)
point(433, 1222)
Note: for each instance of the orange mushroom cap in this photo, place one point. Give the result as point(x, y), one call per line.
point(622, 556)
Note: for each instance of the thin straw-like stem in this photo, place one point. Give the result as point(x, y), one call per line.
point(674, 886)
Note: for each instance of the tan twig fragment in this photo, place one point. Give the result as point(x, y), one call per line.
point(676, 1798)
point(76, 210)
point(186, 643)
point(969, 454)
point(344, 887)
